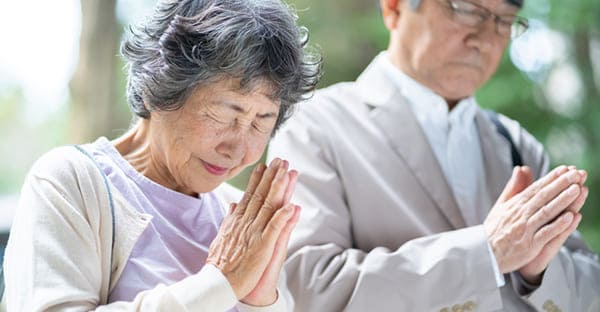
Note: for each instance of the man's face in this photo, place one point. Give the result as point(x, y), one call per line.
point(452, 59)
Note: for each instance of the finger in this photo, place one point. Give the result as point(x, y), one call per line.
point(553, 229)
point(549, 251)
point(232, 208)
point(550, 191)
point(509, 189)
point(257, 197)
point(280, 252)
point(584, 176)
point(535, 188)
point(293, 178)
point(276, 225)
point(520, 179)
point(557, 205)
point(275, 198)
point(553, 246)
point(528, 175)
point(580, 201)
point(255, 178)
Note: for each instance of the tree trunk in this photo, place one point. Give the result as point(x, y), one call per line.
point(93, 86)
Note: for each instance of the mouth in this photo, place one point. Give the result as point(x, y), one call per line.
point(214, 169)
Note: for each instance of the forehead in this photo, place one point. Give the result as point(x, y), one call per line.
point(258, 93)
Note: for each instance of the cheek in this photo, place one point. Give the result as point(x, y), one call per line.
point(254, 151)
point(495, 58)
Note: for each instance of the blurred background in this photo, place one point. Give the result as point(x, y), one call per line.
point(62, 82)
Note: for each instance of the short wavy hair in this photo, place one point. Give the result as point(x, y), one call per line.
point(188, 44)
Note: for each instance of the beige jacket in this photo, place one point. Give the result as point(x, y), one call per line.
point(380, 229)
point(58, 256)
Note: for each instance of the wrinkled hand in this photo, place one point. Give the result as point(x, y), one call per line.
point(532, 271)
point(520, 225)
point(251, 243)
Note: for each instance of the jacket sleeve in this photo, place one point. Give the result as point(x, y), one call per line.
point(326, 272)
point(572, 280)
point(57, 260)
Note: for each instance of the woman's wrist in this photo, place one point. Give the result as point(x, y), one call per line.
point(261, 300)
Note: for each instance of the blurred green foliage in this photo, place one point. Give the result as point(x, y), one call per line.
point(350, 33)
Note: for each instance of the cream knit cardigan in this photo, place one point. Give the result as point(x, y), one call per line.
point(58, 256)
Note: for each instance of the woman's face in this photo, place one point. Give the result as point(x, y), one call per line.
point(219, 131)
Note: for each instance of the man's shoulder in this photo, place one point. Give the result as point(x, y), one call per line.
point(518, 133)
point(339, 98)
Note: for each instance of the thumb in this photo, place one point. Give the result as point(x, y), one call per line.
point(521, 178)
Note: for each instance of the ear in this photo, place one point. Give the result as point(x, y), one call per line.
point(390, 10)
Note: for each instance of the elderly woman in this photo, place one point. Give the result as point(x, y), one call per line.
point(138, 223)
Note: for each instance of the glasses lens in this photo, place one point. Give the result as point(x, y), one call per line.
point(519, 26)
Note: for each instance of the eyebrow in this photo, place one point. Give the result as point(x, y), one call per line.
point(239, 109)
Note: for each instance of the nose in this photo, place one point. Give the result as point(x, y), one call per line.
point(484, 37)
point(233, 145)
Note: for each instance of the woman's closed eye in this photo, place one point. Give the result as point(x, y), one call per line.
point(263, 126)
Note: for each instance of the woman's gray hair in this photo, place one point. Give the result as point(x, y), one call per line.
point(188, 44)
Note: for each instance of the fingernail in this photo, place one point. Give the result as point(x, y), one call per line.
point(275, 162)
point(568, 217)
point(561, 169)
point(259, 168)
point(573, 176)
point(516, 169)
point(573, 190)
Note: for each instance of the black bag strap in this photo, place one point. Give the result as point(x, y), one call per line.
point(516, 156)
point(110, 198)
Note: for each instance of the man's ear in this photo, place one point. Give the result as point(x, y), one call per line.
point(391, 10)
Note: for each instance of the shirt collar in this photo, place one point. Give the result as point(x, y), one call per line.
point(425, 103)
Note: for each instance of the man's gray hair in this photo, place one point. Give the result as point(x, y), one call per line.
point(192, 43)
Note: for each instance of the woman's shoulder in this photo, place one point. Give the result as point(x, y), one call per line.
point(65, 164)
point(61, 158)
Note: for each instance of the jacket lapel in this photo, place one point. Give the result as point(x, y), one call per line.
point(393, 116)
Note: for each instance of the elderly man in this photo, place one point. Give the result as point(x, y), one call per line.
point(409, 203)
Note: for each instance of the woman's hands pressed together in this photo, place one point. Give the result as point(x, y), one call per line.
point(251, 245)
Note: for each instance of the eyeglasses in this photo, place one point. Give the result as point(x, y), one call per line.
point(473, 15)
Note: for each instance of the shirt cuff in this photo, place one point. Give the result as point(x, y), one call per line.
point(522, 286)
point(205, 290)
point(499, 277)
point(278, 305)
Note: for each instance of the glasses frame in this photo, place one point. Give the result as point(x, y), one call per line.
point(518, 24)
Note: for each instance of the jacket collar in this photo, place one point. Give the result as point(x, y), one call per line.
point(392, 114)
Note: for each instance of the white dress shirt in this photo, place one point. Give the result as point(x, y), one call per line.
point(454, 139)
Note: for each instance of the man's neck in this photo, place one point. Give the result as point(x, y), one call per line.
point(451, 103)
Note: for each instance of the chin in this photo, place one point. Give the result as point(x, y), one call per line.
point(207, 188)
point(459, 90)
